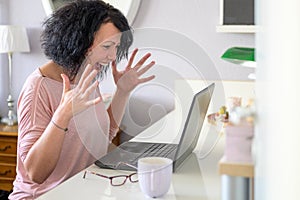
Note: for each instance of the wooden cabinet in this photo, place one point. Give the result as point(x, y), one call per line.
point(237, 179)
point(8, 155)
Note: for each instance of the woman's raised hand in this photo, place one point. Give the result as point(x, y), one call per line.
point(129, 78)
point(79, 98)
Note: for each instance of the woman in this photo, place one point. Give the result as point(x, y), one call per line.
point(63, 124)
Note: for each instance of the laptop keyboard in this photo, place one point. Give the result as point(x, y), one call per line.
point(157, 150)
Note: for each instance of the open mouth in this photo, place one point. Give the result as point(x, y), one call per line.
point(101, 68)
point(98, 66)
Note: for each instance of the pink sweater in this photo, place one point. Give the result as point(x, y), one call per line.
point(86, 140)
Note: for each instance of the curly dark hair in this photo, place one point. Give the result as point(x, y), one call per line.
point(69, 32)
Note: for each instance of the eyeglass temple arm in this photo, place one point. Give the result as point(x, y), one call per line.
point(95, 174)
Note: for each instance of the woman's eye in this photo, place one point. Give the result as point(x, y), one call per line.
point(106, 46)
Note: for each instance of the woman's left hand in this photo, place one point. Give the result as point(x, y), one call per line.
point(129, 78)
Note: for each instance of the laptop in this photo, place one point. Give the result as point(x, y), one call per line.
point(129, 152)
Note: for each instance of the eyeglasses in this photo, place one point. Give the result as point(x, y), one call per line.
point(116, 180)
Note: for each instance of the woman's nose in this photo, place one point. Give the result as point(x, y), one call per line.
point(112, 54)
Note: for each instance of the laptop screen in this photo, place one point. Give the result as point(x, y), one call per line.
point(194, 123)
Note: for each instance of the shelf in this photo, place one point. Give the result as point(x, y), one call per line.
point(11, 131)
point(236, 168)
point(236, 28)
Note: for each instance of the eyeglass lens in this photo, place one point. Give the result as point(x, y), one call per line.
point(120, 180)
point(134, 178)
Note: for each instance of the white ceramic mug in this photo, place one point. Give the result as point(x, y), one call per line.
point(155, 175)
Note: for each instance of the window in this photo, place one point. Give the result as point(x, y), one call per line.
point(237, 16)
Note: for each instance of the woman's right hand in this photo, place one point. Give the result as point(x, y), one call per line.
point(79, 99)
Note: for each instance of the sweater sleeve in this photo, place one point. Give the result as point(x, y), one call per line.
point(34, 114)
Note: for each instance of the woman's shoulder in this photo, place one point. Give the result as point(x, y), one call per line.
point(39, 86)
point(37, 80)
point(39, 91)
point(33, 78)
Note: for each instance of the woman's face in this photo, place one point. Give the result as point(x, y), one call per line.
point(105, 45)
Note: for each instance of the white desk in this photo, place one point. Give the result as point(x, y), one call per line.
point(187, 183)
point(195, 179)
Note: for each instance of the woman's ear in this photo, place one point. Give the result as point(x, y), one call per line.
point(89, 52)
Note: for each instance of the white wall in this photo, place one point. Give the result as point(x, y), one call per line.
point(277, 173)
point(195, 19)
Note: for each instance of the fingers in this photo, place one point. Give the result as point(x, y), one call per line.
point(141, 70)
point(86, 86)
point(89, 80)
point(114, 67)
point(142, 61)
point(94, 101)
point(91, 89)
point(131, 59)
point(85, 73)
point(143, 80)
point(66, 83)
point(87, 77)
point(146, 68)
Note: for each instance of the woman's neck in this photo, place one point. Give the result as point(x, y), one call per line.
point(52, 71)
